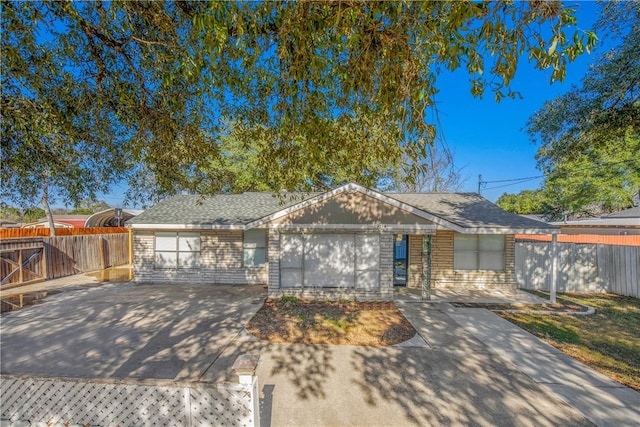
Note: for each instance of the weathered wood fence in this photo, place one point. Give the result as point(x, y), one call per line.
point(582, 267)
point(39, 258)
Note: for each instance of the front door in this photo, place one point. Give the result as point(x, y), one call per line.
point(400, 259)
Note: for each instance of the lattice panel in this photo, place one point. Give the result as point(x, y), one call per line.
point(225, 406)
point(87, 402)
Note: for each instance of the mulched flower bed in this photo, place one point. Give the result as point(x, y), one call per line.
point(289, 320)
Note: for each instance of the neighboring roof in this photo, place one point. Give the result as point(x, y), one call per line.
point(45, 224)
point(219, 210)
point(626, 218)
point(627, 213)
point(107, 217)
point(65, 218)
point(464, 212)
point(600, 222)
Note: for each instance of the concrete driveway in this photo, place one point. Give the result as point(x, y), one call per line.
point(195, 333)
point(124, 330)
point(447, 378)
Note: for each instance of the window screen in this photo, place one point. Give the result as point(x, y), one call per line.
point(254, 249)
point(478, 252)
point(177, 250)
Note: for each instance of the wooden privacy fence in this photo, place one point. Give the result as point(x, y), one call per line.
point(12, 233)
point(582, 267)
point(52, 257)
point(22, 262)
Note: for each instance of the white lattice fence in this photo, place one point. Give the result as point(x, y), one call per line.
point(80, 401)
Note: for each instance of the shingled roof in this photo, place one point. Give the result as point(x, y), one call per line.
point(468, 210)
point(460, 210)
point(222, 209)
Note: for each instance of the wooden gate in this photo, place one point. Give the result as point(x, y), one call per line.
point(22, 262)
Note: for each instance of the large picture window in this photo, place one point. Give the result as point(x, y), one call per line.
point(254, 248)
point(478, 252)
point(177, 250)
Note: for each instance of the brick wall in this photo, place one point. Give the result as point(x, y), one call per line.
point(415, 261)
point(444, 276)
point(273, 256)
point(220, 261)
point(386, 265)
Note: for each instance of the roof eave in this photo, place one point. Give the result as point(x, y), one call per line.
point(509, 230)
point(141, 226)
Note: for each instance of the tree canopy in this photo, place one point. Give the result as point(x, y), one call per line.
point(590, 136)
point(526, 202)
point(96, 90)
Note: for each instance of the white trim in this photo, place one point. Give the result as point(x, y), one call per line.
point(187, 226)
point(394, 228)
point(498, 230)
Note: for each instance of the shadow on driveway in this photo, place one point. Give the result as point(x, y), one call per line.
point(127, 330)
point(455, 380)
point(195, 333)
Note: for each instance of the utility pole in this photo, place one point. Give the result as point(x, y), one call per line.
point(479, 183)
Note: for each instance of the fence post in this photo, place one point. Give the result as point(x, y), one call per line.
point(245, 367)
point(20, 271)
point(554, 268)
point(131, 246)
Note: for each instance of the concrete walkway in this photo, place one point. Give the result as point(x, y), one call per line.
point(602, 400)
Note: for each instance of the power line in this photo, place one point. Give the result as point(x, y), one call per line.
point(483, 184)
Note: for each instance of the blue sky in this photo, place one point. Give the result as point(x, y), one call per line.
point(488, 138)
point(485, 137)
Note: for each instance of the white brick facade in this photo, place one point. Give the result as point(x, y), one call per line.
point(220, 261)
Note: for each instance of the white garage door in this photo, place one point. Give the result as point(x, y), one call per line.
point(330, 260)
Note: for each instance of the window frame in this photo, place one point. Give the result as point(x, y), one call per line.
point(477, 254)
point(177, 249)
point(255, 245)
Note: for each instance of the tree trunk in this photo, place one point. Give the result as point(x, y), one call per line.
point(47, 209)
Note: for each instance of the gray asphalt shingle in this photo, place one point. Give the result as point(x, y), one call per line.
point(223, 209)
point(467, 210)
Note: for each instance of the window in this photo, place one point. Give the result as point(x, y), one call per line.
point(177, 250)
point(254, 248)
point(478, 252)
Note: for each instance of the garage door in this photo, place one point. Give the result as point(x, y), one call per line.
point(329, 260)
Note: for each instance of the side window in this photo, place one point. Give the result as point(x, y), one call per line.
point(177, 250)
point(478, 252)
point(254, 248)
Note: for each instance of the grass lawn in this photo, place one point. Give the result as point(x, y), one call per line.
point(291, 320)
point(608, 341)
